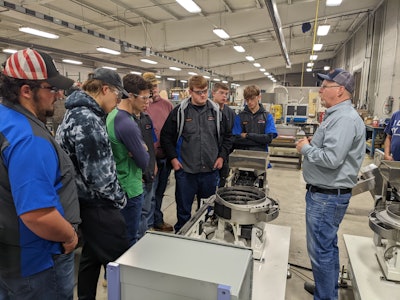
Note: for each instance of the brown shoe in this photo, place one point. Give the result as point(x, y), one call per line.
point(164, 227)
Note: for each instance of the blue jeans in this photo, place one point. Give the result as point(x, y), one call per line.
point(132, 213)
point(189, 185)
point(147, 208)
point(160, 183)
point(54, 283)
point(324, 213)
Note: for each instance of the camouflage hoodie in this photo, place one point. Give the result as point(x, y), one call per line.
point(83, 135)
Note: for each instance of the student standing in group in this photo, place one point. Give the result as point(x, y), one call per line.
point(392, 140)
point(220, 93)
point(83, 135)
point(254, 127)
point(158, 111)
point(331, 164)
point(197, 140)
point(130, 151)
point(39, 208)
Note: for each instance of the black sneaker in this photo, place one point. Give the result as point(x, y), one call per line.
point(309, 287)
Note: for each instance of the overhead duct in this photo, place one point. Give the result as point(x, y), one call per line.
point(276, 22)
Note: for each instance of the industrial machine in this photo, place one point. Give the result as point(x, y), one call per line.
point(238, 212)
point(384, 220)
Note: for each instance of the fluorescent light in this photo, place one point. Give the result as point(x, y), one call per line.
point(313, 57)
point(327, 68)
point(250, 58)
point(189, 5)
point(158, 76)
point(317, 47)
point(71, 61)
point(310, 64)
point(183, 81)
point(38, 32)
point(257, 65)
point(262, 70)
point(171, 79)
point(309, 69)
point(175, 68)
point(108, 51)
point(266, 73)
point(206, 77)
point(135, 72)
point(221, 33)
point(10, 51)
point(148, 61)
point(333, 2)
point(192, 73)
point(323, 30)
point(217, 79)
point(224, 81)
point(110, 68)
point(239, 48)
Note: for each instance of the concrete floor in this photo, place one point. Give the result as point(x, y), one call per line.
point(286, 185)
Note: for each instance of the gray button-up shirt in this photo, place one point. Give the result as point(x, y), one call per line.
point(336, 152)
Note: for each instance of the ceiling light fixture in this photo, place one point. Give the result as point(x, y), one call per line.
point(257, 65)
point(309, 69)
point(317, 47)
point(250, 58)
point(224, 81)
point(310, 64)
point(108, 51)
point(183, 81)
point(239, 48)
point(262, 69)
point(171, 79)
point(333, 2)
point(313, 57)
point(148, 61)
point(38, 32)
point(323, 30)
point(327, 68)
point(206, 77)
point(266, 73)
point(221, 33)
point(190, 6)
point(276, 23)
point(135, 72)
point(109, 68)
point(10, 51)
point(71, 61)
point(192, 73)
point(217, 79)
point(175, 68)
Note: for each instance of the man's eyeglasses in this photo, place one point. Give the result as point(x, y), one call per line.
point(329, 86)
point(145, 98)
point(52, 89)
point(226, 93)
point(202, 92)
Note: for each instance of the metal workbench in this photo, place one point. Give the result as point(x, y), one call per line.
point(365, 272)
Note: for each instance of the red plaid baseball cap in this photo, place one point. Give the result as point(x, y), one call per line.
point(34, 65)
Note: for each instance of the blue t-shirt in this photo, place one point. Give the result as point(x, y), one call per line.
point(393, 129)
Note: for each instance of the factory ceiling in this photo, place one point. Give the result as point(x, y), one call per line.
point(164, 32)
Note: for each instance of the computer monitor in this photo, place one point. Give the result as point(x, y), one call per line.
point(296, 113)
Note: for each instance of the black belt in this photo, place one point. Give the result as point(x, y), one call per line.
point(316, 189)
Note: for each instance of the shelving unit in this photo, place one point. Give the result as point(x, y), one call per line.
point(372, 131)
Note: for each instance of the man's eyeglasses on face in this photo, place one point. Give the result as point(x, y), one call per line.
point(52, 89)
point(145, 98)
point(117, 92)
point(202, 92)
point(328, 86)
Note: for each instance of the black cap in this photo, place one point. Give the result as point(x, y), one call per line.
point(110, 77)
